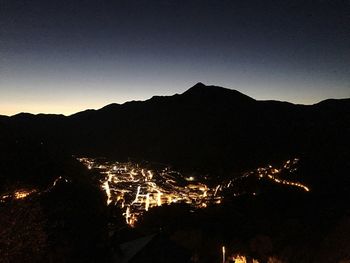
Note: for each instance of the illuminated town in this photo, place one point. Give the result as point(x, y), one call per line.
point(136, 188)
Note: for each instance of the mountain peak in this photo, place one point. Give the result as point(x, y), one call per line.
point(203, 91)
point(199, 85)
point(196, 88)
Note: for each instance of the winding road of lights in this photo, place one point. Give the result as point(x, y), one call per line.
point(136, 188)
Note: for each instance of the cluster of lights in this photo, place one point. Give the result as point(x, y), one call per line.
point(17, 194)
point(23, 193)
point(242, 259)
point(236, 258)
point(136, 189)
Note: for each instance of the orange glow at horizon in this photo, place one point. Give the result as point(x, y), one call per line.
point(33, 108)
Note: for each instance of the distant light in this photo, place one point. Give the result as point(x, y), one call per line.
point(21, 194)
point(240, 259)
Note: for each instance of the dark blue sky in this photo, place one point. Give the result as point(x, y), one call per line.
point(66, 56)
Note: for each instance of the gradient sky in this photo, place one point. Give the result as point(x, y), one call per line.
point(66, 56)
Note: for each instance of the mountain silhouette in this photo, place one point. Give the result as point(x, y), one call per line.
point(206, 128)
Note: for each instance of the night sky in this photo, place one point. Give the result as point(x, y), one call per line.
point(67, 56)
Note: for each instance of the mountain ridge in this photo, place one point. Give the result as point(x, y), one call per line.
point(199, 89)
point(195, 130)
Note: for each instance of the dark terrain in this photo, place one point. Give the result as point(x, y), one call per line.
point(207, 130)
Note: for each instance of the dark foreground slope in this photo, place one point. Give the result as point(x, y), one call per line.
point(63, 218)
